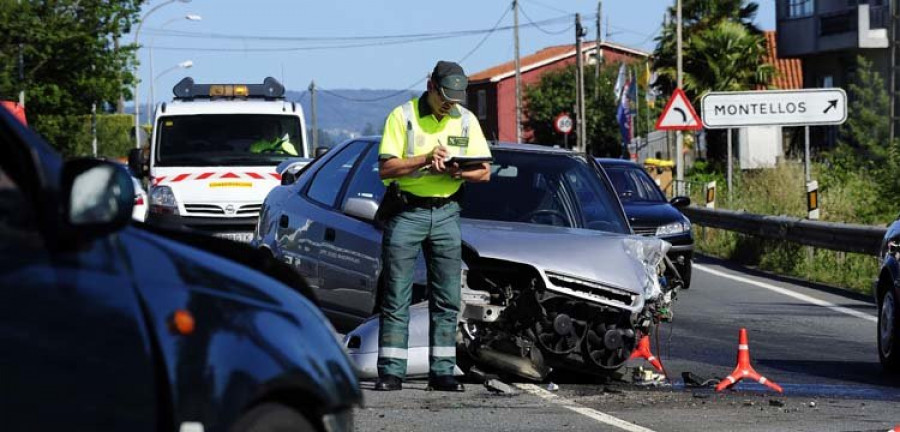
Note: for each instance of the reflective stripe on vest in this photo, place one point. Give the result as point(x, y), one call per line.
point(409, 109)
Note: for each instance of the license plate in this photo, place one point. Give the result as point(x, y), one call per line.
point(242, 237)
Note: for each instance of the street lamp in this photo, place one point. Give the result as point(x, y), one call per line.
point(137, 99)
point(187, 64)
point(189, 17)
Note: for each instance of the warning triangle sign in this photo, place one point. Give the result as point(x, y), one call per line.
point(679, 114)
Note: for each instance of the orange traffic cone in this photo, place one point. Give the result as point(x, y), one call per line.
point(744, 370)
point(643, 351)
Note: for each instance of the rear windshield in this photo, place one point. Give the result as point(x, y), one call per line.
point(551, 189)
point(228, 139)
point(633, 184)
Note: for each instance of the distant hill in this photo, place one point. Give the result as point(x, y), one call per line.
point(345, 114)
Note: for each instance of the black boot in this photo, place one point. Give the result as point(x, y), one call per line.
point(388, 383)
point(445, 383)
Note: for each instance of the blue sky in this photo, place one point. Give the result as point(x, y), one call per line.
point(343, 63)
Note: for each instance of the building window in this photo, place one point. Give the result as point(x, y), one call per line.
point(482, 104)
point(800, 8)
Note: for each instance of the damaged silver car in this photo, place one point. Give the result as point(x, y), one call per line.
point(553, 276)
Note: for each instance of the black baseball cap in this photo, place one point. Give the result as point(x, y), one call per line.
point(451, 81)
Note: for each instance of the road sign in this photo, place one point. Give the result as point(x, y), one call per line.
point(563, 123)
point(678, 114)
point(722, 110)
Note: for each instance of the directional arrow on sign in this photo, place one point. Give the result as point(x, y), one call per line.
point(831, 104)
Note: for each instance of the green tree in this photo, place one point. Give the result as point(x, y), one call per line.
point(70, 61)
point(722, 50)
point(864, 154)
point(555, 94)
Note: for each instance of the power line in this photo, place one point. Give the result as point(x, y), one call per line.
point(528, 18)
point(202, 35)
point(378, 40)
point(419, 82)
point(486, 36)
point(555, 9)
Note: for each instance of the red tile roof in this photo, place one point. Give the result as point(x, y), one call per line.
point(788, 71)
point(547, 55)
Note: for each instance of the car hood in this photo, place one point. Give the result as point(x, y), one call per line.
point(608, 258)
point(651, 213)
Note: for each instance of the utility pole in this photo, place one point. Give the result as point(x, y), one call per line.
point(21, 69)
point(579, 85)
point(893, 68)
point(598, 54)
point(679, 138)
point(518, 73)
point(315, 124)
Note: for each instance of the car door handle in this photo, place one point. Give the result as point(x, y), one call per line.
point(283, 221)
point(329, 234)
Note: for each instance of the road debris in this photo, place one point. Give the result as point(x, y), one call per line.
point(776, 403)
point(552, 387)
point(499, 387)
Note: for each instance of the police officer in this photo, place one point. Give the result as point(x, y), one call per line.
point(418, 137)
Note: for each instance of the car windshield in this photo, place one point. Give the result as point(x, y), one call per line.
point(633, 184)
point(543, 188)
point(227, 139)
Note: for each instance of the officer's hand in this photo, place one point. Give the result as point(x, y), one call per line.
point(455, 170)
point(438, 154)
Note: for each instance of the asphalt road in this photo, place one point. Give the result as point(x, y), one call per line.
point(817, 343)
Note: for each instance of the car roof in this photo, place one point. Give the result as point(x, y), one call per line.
point(495, 145)
point(617, 162)
point(230, 106)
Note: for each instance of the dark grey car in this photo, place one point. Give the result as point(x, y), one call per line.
point(548, 227)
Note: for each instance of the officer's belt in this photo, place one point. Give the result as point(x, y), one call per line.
point(428, 202)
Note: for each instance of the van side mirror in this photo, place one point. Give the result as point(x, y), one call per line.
point(136, 163)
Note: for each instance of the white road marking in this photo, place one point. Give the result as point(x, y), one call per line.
point(789, 293)
point(581, 409)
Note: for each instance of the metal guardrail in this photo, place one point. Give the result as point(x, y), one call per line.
point(863, 239)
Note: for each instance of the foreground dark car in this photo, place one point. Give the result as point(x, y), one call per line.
point(550, 263)
point(650, 213)
point(106, 326)
point(887, 295)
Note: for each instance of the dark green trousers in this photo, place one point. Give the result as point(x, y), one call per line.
point(434, 231)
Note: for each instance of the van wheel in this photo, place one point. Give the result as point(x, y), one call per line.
point(685, 272)
point(273, 417)
point(889, 330)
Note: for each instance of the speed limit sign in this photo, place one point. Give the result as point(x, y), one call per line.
point(563, 123)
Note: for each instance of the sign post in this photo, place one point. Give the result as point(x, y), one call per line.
point(563, 125)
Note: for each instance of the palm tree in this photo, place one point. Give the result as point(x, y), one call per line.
point(722, 50)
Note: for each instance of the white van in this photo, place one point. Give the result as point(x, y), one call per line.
point(213, 154)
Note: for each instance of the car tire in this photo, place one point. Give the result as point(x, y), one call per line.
point(273, 417)
point(889, 330)
point(685, 272)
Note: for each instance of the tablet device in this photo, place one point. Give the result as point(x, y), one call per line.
point(468, 160)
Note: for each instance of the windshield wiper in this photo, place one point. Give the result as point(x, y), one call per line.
point(261, 159)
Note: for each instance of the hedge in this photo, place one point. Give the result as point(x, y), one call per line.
point(71, 135)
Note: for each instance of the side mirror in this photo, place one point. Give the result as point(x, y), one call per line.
point(361, 208)
point(136, 163)
point(288, 178)
point(320, 151)
point(98, 197)
point(680, 202)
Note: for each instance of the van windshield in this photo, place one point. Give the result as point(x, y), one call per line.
point(227, 139)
